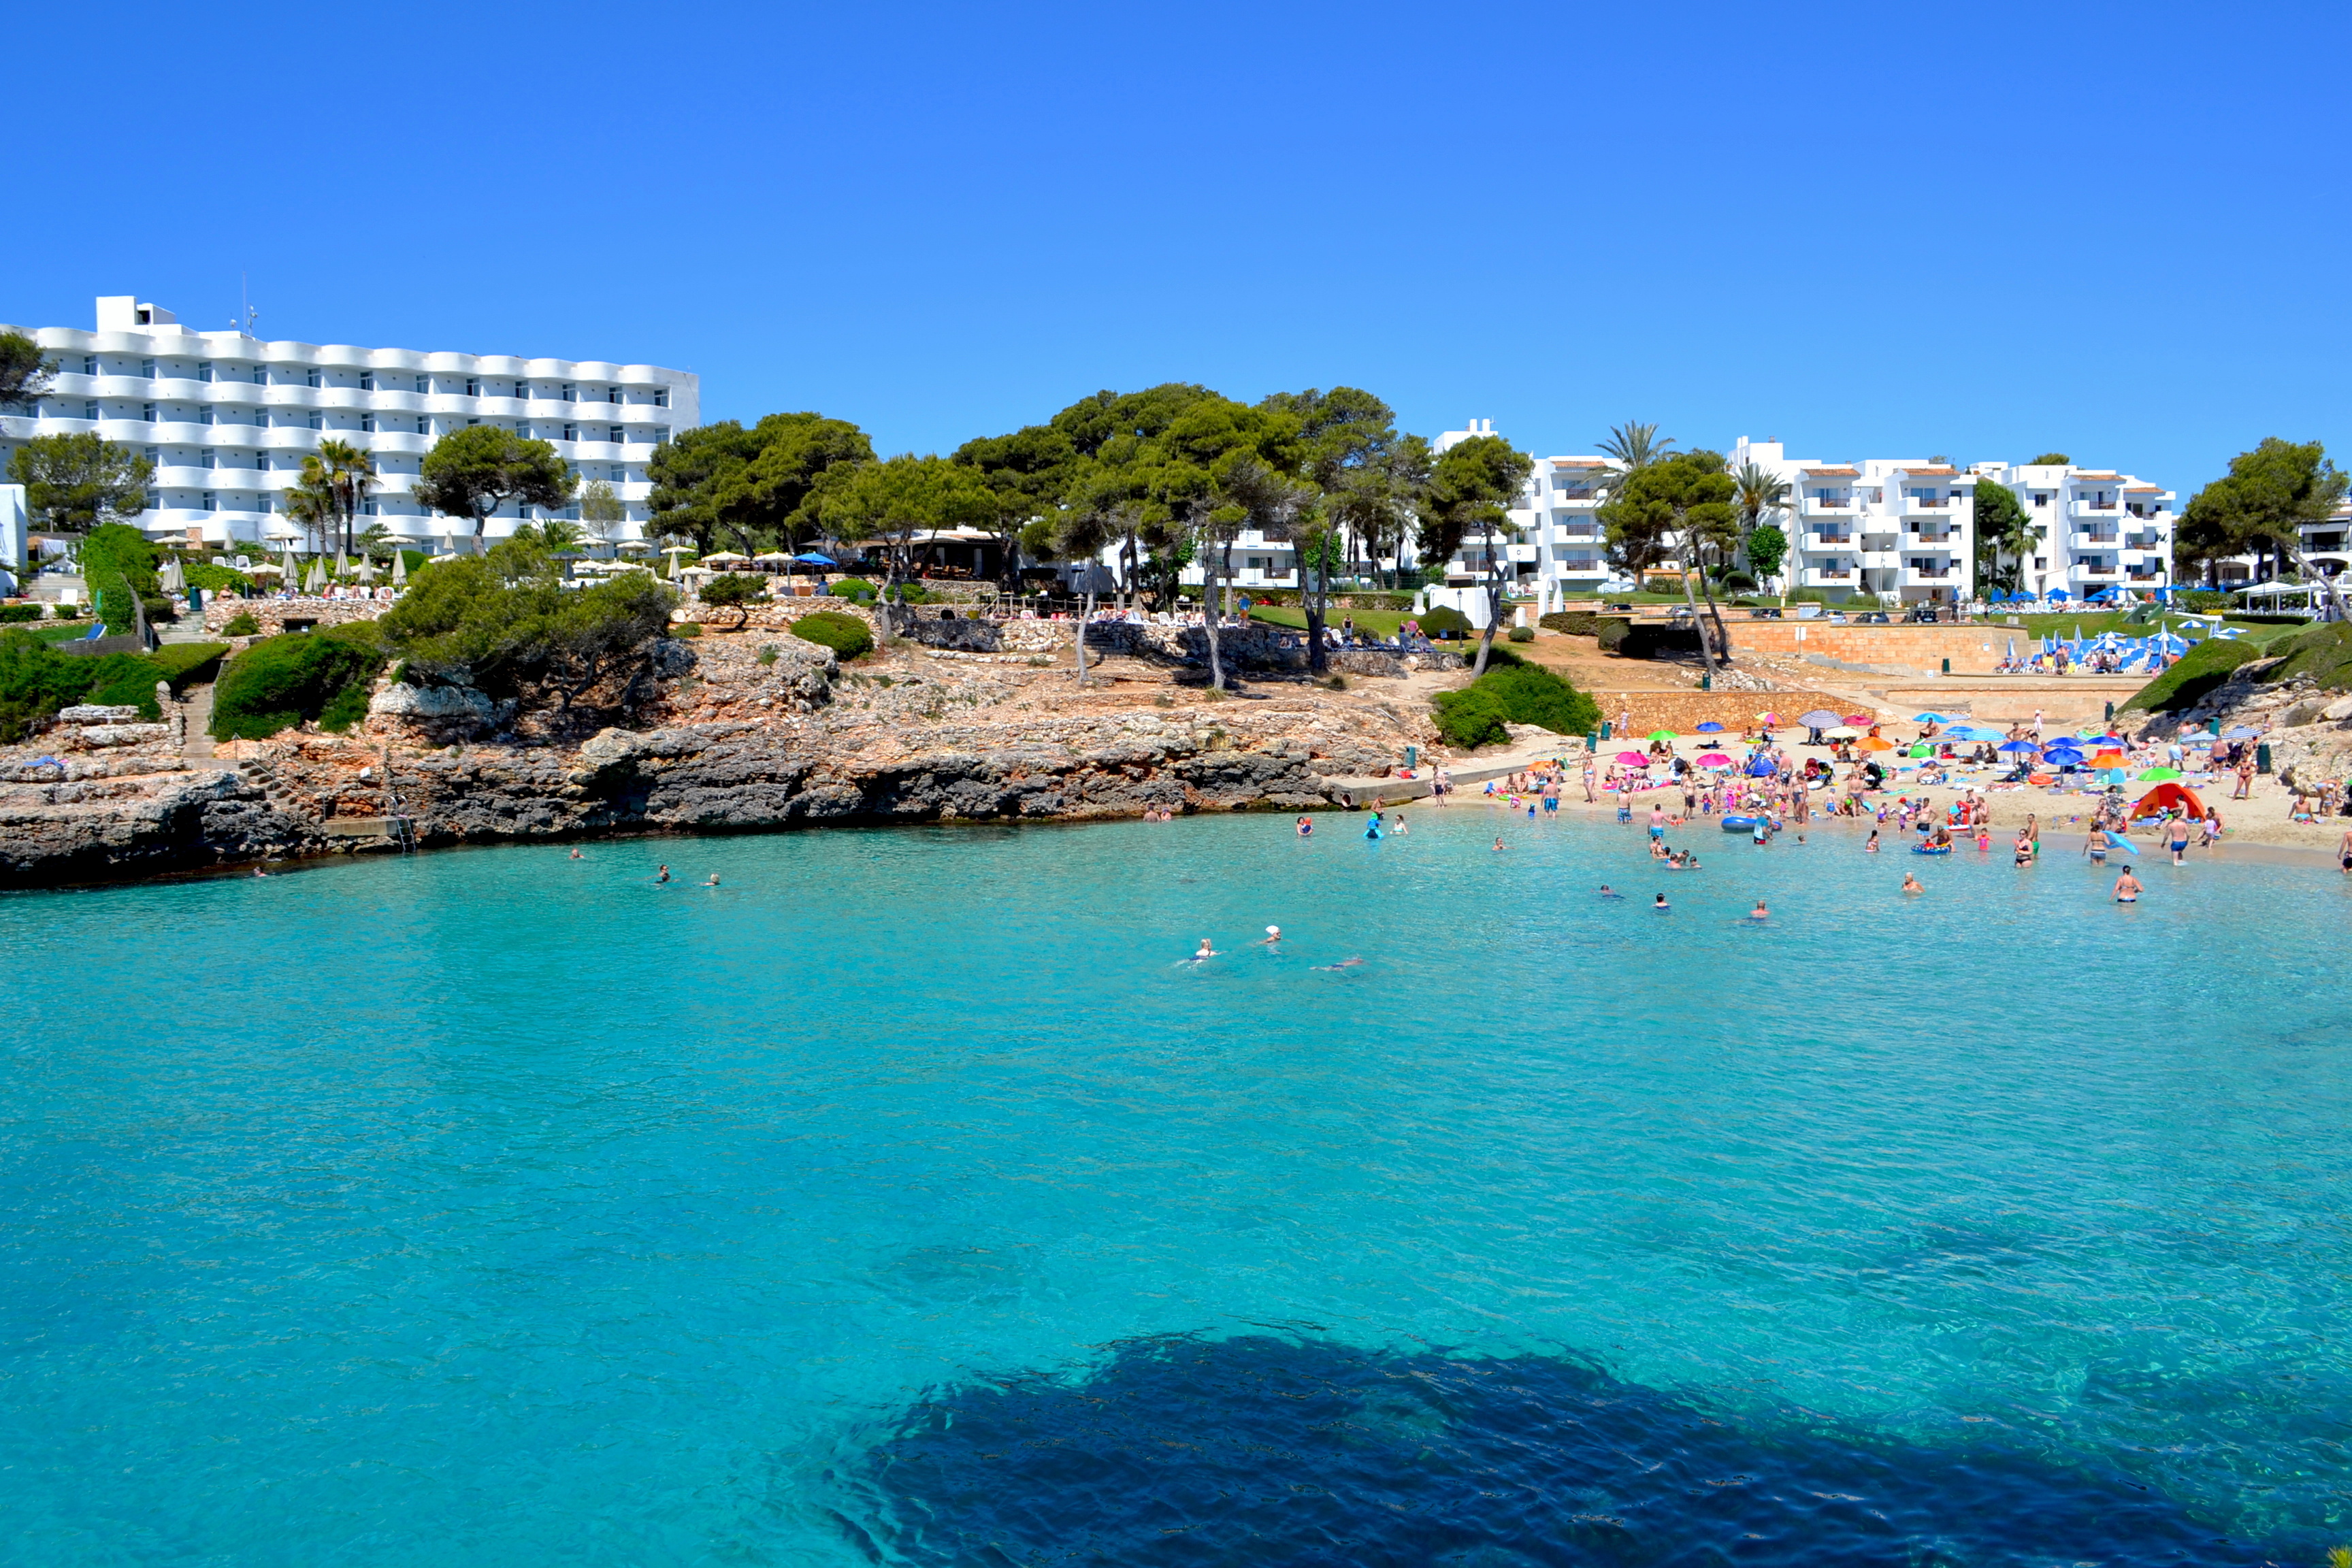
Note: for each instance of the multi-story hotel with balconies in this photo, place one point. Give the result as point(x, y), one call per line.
point(2094, 528)
point(1902, 528)
point(227, 418)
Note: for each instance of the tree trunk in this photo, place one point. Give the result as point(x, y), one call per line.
point(1705, 652)
point(1084, 617)
point(1316, 603)
point(1209, 618)
point(1722, 633)
point(1494, 611)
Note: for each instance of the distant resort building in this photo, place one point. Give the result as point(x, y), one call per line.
point(227, 418)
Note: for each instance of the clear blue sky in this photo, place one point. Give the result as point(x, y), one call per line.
point(1984, 230)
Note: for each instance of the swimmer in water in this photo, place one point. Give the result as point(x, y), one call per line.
point(1343, 964)
point(1662, 906)
point(1273, 934)
point(1608, 892)
point(2127, 888)
point(1911, 884)
point(1498, 841)
point(714, 880)
point(1872, 847)
point(1306, 827)
point(1206, 951)
point(1396, 824)
point(1759, 913)
point(665, 875)
point(260, 872)
point(575, 852)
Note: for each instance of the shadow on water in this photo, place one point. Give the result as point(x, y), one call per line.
point(1263, 1451)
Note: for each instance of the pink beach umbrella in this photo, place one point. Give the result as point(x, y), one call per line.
point(1631, 759)
point(1714, 760)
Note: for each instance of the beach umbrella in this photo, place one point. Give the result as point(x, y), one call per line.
point(1819, 719)
point(2239, 733)
point(2160, 775)
point(1920, 750)
point(2015, 746)
point(1710, 728)
point(1633, 759)
point(1926, 718)
point(399, 566)
point(1660, 735)
point(1840, 732)
point(1769, 718)
point(343, 566)
point(1873, 744)
point(1714, 760)
point(367, 569)
point(812, 558)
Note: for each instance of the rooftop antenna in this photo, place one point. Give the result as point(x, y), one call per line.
point(251, 315)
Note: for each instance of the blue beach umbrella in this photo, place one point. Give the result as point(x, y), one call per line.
point(1926, 718)
point(813, 559)
point(2015, 746)
point(1710, 728)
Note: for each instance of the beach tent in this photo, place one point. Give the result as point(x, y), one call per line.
point(2165, 796)
point(1760, 768)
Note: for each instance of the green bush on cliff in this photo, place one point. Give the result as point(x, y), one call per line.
point(242, 624)
point(280, 681)
point(2197, 672)
point(35, 680)
point(846, 635)
point(1516, 692)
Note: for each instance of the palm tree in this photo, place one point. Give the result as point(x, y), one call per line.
point(1760, 499)
point(349, 475)
point(1635, 445)
point(312, 504)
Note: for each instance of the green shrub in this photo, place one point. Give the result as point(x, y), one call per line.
point(117, 562)
point(1522, 634)
point(1444, 618)
point(1515, 691)
point(856, 590)
point(768, 653)
point(213, 579)
point(1738, 580)
point(11, 614)
point(1807, 596)
point(69, 612)
point(242, 624)
point(35, 680)
point(1861, 601)
point(124, 680)
point(736, 590)
point(2321, 653)
point(687, 629)
point(280, 681)
point(187, 664)
point(846, 635)
point(345, 709)
point(1472, 716)
point(2199, 671)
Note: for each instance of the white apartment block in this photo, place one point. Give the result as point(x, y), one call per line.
point(1558, 553)
point(1903, 529)
point(227, 418)
point(2094, 528)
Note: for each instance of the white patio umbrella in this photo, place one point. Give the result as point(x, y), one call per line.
point(399, 567)
point(367, 569)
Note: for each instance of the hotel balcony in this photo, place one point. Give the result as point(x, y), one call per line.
point(1829, 541)
point(1917, 506)
point(1813, 506)
point(2093, 539)
point(1826, 576)
point(2096, 508)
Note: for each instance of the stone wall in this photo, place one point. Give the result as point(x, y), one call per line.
point(273, 614)
point(1975, 649)
point(1685, 711)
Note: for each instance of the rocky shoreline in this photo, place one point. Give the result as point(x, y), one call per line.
point(745, 733)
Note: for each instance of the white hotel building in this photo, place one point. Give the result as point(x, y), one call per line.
point(227, 418)
point(2096, 528)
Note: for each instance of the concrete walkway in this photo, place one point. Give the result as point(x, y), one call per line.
point(1370, 791)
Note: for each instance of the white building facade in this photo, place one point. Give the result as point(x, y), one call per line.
point(227, 418)
point(1901, 529)
point(2095, 528)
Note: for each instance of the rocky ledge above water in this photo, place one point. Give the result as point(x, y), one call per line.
point(750, 732)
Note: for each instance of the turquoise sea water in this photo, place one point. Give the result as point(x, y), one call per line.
point(907, 1199)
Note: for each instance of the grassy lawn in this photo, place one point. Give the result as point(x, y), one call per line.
point(1379, 623)
point(51, 631)
point(2062, 625)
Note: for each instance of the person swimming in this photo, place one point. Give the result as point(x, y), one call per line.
point(1343, 964)
point(1396, 824)
point(1608, 892)
point(575, 852)
point(1373, 828)
point(1911, 884)
point(1498, 841)
point(1306, 826)
point(1273, 934)
point(1207, 950)
point(1759, 912)
point(1662, 906)
point(714, 880)
point(1872, 847)
point(665, 875)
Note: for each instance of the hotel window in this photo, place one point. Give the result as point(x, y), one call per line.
point(423, 426)
point(203, 415)
point(572, 432)
point(90, 410)
point(318, 422)
point(205, 458)
point(367, 381)
point(204, 370)
point(89, 365)
point(522, 390)
point(570, 390)
point(147, 368)
point(619, 435)
point(261, 461)
point(620, 476)
point(473, 387)
point(212, 501)
point(424, 384)
point(312, 379)
point(147, 412)
point(612, 395)
point(261, 418)
point(367, 420)
point(261, 375)
point(661, 397)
